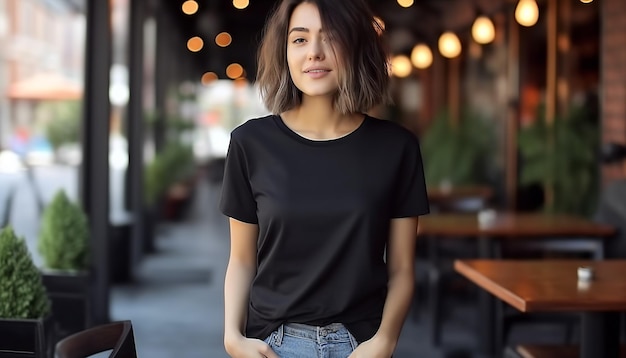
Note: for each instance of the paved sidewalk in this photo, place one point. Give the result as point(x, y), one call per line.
point(177, 299)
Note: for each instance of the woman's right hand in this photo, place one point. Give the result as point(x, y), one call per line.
point(243, 347)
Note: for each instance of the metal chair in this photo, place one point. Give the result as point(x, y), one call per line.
point(116, 336)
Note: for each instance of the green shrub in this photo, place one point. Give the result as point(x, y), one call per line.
point(22, 294)
point(64, 237)
point(154, 174)
point(174, 163)
point(562, 156)
point(65, 125)
point(458, 153)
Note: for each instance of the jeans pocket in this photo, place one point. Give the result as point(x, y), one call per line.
point(353, 342)
point(270, 339)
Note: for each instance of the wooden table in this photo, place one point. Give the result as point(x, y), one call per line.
point(445, 196)
point(553, 285)
point(560, 232)
point(510, 226)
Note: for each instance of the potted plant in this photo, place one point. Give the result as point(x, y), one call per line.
point(180, 182)
point(64, 247)
point(562, 157)
point(25, 328)
point(457, 153)
point(169, 184)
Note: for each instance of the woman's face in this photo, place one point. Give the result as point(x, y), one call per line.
point(310, 56)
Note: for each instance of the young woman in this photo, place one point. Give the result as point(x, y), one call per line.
point(323, 199)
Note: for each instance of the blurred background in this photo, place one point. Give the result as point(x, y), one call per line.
point(127, 106)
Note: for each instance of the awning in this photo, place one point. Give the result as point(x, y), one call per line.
point(45, 87)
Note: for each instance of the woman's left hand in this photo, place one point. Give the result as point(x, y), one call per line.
point(376, 347)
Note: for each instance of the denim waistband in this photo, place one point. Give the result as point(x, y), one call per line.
point(332, 331)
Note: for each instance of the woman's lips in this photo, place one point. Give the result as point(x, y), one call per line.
point(317, 73)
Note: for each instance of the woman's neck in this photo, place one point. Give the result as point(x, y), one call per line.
point(315, 118)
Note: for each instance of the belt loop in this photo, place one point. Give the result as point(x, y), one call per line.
point(279, 335)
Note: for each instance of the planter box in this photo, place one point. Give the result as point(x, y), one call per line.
point(178, 200)
point(121, 248)
point(69, 295)
point(26, 337)
point(149, 229)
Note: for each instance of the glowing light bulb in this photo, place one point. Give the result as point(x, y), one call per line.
point(234, 70)
point(241, 4)
point(401, 66)
point(483, 30)
point(223, 39)
point(527, 12)
point(421, 56)
point(190, 7)
point(195, 44)
point(449, 45)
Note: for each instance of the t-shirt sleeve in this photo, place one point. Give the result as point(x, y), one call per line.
point(410, 198)
point(237, 200)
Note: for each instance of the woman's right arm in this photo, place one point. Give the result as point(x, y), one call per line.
point(239, 275)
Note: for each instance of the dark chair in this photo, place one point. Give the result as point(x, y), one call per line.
point(116, 336)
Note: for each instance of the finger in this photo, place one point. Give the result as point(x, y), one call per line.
point(268, 352)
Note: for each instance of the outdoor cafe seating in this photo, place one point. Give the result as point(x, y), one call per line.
point(517, 236)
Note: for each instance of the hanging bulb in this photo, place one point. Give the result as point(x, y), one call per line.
point(401, 66)
point(421, 56)
point(527, 12)
point(483, 30)
point(449, 45)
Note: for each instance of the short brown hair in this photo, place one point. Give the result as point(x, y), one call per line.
point(364, 68)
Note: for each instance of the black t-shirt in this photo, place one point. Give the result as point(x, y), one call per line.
point(324, 210)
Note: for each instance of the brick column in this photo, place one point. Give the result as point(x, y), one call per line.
point(613, 81)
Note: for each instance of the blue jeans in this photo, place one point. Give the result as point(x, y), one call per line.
point(294, 340)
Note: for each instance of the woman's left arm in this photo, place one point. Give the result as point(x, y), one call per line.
point(401, 267)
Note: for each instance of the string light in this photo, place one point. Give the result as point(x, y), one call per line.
point(208, 77)
point(241, 4)
point(449, 45)
point(421, 56)
point(195, 44)
point(405, 3)
point(190, 7)
point(234, 71)
point(401, 66)
point(527, 12)
point(483, 30)
point(223, 39)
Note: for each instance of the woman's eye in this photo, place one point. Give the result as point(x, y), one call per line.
point(298, 41)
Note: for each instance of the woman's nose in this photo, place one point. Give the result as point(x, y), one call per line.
point(316, 51)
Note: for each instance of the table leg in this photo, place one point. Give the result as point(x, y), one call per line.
point(434, 291)
point(600, 335)
point(487, 344)
point(487, 319)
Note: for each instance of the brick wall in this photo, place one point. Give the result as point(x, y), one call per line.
point(613, 80)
